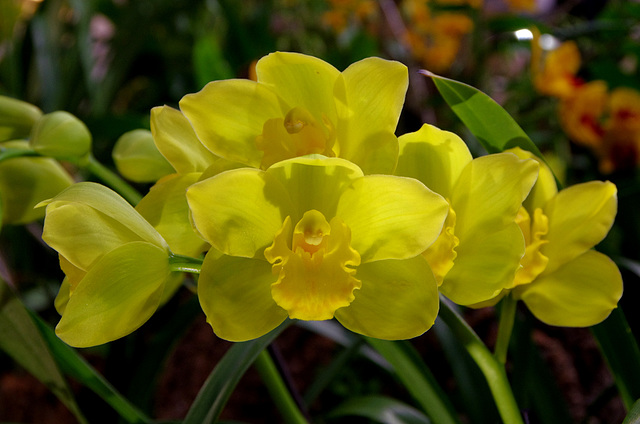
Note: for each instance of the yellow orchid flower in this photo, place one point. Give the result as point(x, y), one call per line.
point(116, 264)
point(312, 238)
point(563, 281)
point(480, 247)
point(302, 105)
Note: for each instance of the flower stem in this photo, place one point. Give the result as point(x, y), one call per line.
point(113, 180)
point(278, 390)
point(493, 371)
point(180, 263)
point(507, 317)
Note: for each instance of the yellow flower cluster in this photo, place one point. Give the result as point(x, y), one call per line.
point(307, 206)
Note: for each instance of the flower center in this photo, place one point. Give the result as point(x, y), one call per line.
point(441, 254)
point(297, 134)
point(533, 263)
point(316, 271)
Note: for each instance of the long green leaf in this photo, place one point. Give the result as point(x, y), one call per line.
point(75, 366)
point(417, 378)
point(225, 376)
point(486, 119)
point(381, 409)
point(633, 417)
point(621, 352)
point(21, 340)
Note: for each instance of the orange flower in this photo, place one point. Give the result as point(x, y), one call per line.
point(554, 72)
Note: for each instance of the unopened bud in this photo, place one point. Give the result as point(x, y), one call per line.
point(61, 135)
point(16, 118)
point(137, 158)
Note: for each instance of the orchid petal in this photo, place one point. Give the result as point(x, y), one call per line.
point(228, 116)
point(178, 143)
point(315, 182)
point(301, 81)
point(544, 188)
point(580, 216)
point(88, 220)
point(434, 157)
point(370, 94)
point(120, 292)
point(391, 217)
point(398, 300)
point(235, 295)
point(239, 211)
point(485, 264)
point(490, 191)
point(165, 207)
point(581, 293)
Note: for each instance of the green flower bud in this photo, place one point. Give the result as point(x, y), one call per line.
point(16, 118)
point(25, 182)
point(137, 158)
point(61, 135)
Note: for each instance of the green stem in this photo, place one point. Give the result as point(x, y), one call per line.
point(181, 263)
point(113, 180)
point(493, 371)
point(278, 390)
point(507, 318)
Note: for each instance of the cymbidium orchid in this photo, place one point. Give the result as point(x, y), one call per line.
point(562, 280)
point(302, 105)
point(480, 247)
point(116, 264)
point(312, 238)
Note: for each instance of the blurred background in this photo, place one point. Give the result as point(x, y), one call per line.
point(567, 71)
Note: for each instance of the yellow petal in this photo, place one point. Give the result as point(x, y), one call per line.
point(176, 140)
point(239, 211)
point(484, 265)
point(581, 293)
point(544, 188)
point(391, 217)
point(398, 300)
point(315, 182)
point(370, 94)
point(580, 216)
point(88, 220)
point(434, 157)
point(227, 285)
point(301, 81)
point(118, 295)
point(228, 116)
point(490, 191)
point(165, 207)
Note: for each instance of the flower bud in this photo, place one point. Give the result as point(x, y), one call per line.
point(61, 135)
point(137, 158)
point(16, 118)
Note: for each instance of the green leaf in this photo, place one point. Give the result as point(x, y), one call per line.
point(21, 340)
point(486, 119)
point(622, 354)
point(75, 366)
point(633, 417)
point(381, 409)
point(473, 393)
point(417, 378)
point(225, 376)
